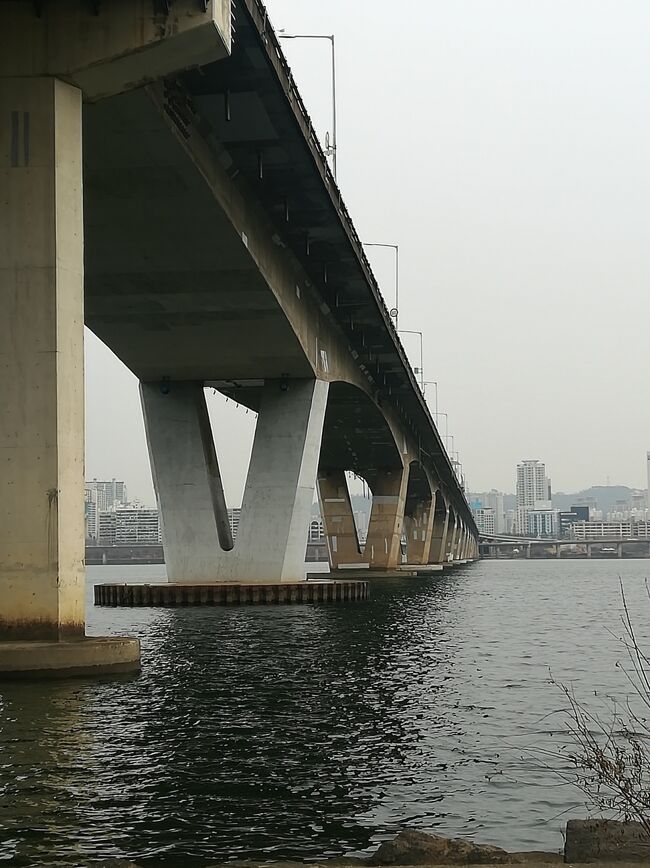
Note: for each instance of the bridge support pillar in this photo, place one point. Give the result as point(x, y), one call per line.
point(619, 550)
point(438, 545)
point(41, 360)
point(276, 509)
point(338, 518)
point(42, 575)
point(382, 550)
point(452, 532)
point(418, 525)
point(558, 550)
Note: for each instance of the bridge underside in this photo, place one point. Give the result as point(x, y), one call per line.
point(212, 247)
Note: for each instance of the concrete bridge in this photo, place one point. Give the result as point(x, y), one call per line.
point(162, 182)
point(530, 547)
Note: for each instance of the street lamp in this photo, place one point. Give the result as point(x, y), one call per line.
point(446, 425)
point(330, 147)
point(432, 383)
point(421, 371)
point(395, 311)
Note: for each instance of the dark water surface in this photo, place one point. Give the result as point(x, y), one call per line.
point(299, 732)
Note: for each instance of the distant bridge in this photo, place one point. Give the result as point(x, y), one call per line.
point(496, 545)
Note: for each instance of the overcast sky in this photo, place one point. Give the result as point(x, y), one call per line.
point(505, 146)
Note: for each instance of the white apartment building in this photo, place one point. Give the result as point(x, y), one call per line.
point(533, 491)
point(234, 516)
point(485, 519)
point(129, 527)
point(542, 522)
point(588, 530)
point(108, 494)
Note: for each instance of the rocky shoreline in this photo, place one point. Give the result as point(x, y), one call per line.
point(606, 842)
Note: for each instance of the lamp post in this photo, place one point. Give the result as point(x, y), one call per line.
point(421, 372)
point(446, 426)
point(395, 312)
point(330, 147)
point(432, 383)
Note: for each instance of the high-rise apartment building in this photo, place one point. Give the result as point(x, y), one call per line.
point(533, 491)
point(491, 500)
point(108, 494)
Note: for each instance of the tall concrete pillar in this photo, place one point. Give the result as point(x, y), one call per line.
point(619, 550)
point(338, 519)
point(279, 492)
point(438, 545)
point(452, 531)
point(186, 478)
point(41, 361)
point(418, 526)
point(382, 550)
point(459, 541)
point(276, 508)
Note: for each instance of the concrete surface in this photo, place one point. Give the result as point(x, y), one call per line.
point(90, 656)
point(115, 50)
point(41, 361)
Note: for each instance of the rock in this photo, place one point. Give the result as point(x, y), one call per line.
point(606, 841)
point(411, 847)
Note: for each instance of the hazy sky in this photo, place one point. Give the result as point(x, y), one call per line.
point(505, 146)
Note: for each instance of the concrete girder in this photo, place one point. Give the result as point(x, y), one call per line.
point(118, 49)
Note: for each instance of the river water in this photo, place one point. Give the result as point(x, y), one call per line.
point(303, 732)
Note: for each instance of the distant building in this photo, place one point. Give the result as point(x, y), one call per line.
point(491, 500)
point(485, 519)
point(108, 494)
point(106, 524)
point(589, 530)
point(571, 516)
point(533, 491)
point(541, 522)
point(129, 527)
point(91, 515)
point(234, 516)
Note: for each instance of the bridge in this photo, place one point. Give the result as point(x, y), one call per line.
point(165, 185)
point(505, 545)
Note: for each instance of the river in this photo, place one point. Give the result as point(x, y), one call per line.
point(303, 732)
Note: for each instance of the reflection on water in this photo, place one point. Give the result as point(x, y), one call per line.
point(297, 732)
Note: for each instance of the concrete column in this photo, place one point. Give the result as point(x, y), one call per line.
point(279, 492)
point(187, 480)
point(619, 550)
point(41, 361)
point(382, 549)
point(418, 523)
point(588, 551)
point(459, 542)
point(452, 530)
point(276, 509)
point(438, 545)
point(528, 548)
point(338, 519)
point(558, 550)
